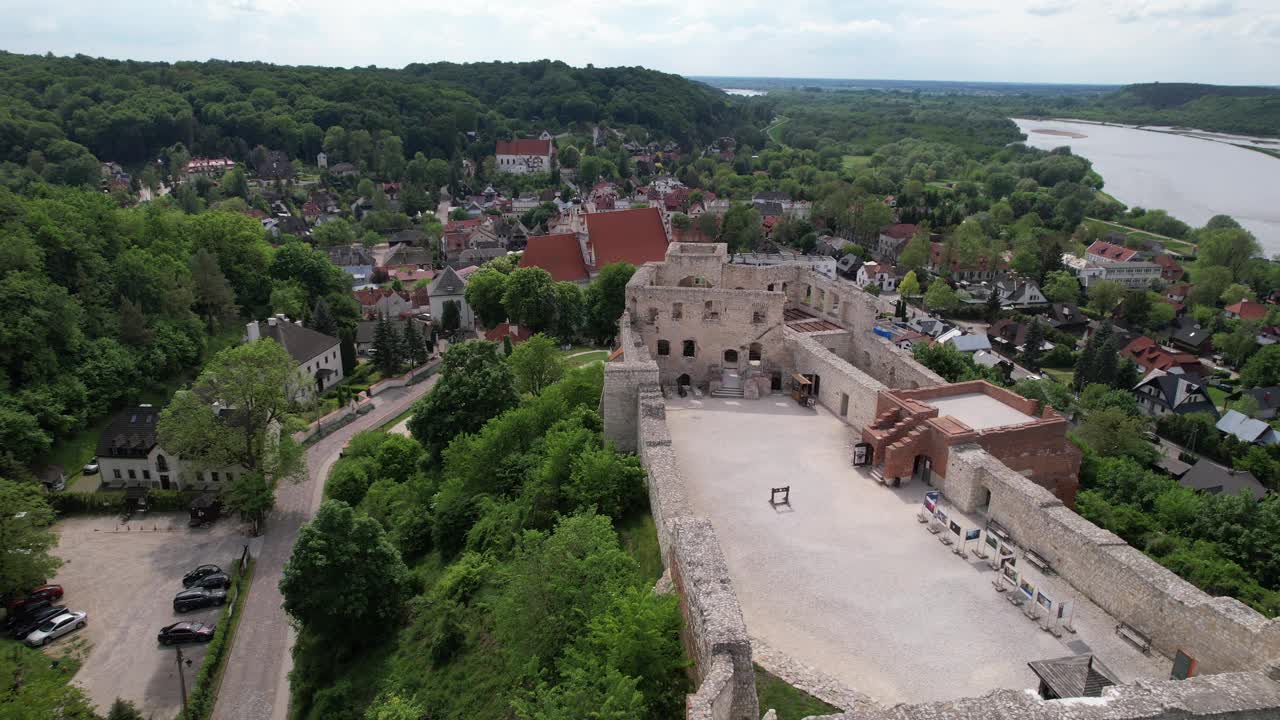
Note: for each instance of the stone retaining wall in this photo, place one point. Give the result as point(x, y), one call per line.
point(1223, 634)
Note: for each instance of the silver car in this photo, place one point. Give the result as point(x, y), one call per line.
point(56, 627)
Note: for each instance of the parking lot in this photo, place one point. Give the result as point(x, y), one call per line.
point(126, 579)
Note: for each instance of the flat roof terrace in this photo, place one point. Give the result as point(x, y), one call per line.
point(845, 580)
point(979, 411)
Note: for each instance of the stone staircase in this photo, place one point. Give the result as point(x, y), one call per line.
point(730, 385)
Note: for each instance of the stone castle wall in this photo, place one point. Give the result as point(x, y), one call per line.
point(1237, 649)
point(1223, 634)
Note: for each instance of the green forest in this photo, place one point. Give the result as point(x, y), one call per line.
point(505, 573)
point(69, 108)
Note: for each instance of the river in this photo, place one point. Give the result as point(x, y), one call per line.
point(1193, 178)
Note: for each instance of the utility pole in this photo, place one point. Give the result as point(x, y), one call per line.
point(182, 682)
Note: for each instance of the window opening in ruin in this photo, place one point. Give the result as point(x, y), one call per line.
point(984, 500)
point(684, 380)
point(694, 281)
point(664, 347)
point(757, 317)
point(689, 350)
point(677, 311)
point(730, 357)
point(775, 380)
point(709, 312)
point(753, 353)
point(770, 288)
point(653, 315)
point(844, 405)
point(923, 469)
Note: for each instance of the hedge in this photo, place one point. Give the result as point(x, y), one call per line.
point(204, 690)
point(109, 502)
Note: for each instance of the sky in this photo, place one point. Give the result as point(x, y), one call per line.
point(1054, 41)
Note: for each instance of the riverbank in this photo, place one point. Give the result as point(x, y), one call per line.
point(1267, 145)
point(1184, 172)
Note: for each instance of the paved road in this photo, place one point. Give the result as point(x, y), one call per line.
point(255, 685)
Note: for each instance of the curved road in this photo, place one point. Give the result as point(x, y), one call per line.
point(255, 684)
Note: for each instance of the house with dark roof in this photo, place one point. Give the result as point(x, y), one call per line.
point(1149, 356)
point(1162, 393)
point(354, 260)
point(560, 255)
point(366, 329)
point(1019, 293)
point(316, 355)
point(401, 255)
point(520, 157)
point(1102, 251)
point(129, 455)
point(633, 236)
point(450, 287)
point(1067, 318)
point(1011, 336)
point(1188, 335)
point(1268, 399)
point(1214, 479)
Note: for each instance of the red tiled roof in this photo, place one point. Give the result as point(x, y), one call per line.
point(524, 147)
point(371, 296)
point(1248, 310)
point(900, 231)
point(1111, 252)
point(559, 255)
point(501, 330)
point(1150, 356)
point(634, 236)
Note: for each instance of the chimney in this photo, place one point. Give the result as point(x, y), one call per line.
point(272, 321)
point(251, 331)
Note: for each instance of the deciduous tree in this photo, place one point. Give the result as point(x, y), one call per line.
point(535, 364)
point(475, 385)
point(344, 573)
point(485, 290)
point(25, 519)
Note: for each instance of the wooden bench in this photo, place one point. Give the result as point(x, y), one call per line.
point(1134, 637)
point(1035, 559)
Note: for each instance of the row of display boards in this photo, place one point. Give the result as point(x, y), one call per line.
point(1025, 591)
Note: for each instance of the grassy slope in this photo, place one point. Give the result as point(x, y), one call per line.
point(791, 704)
point(35, 685)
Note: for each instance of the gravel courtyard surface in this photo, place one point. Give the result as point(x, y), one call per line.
point(845, 579)
point(126, 581)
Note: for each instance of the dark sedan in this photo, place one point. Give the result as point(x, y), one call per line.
point(200, 572)
point(28, 624)
point(185, 632)
point(198, 597)
point(216, 580)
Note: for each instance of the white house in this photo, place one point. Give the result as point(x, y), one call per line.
point(1132, 274)
point(322, 160)
point(448, 286)
point(519, 157)
point(129, 455)
point(882, 275)
point(317, 355)
point(1019, 294)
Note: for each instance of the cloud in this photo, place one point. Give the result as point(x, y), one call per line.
point(1045, 9)
point(1178, 9)
point(848, 27)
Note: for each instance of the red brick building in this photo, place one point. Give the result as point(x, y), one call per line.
point(914, 431)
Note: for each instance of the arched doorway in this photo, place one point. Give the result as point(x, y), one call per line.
point(731, 358)
point(684, 380)
point(923, 469)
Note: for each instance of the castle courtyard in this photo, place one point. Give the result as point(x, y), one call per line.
point(845, 580)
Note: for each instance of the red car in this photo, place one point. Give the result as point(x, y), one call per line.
point(44, 592)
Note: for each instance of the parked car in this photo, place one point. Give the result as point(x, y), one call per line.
point(91, 467)
point(186, 632)
point(24, 626)
point(216, 580)
point(197, 597)
point(44, 592)
point(57, 626)
point(201, 571)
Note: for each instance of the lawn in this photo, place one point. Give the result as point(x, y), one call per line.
point(791, 704)
point(1066, 377)
point(1218, 396)
point(39, 686)
point(774, 131)
point(586, 358)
